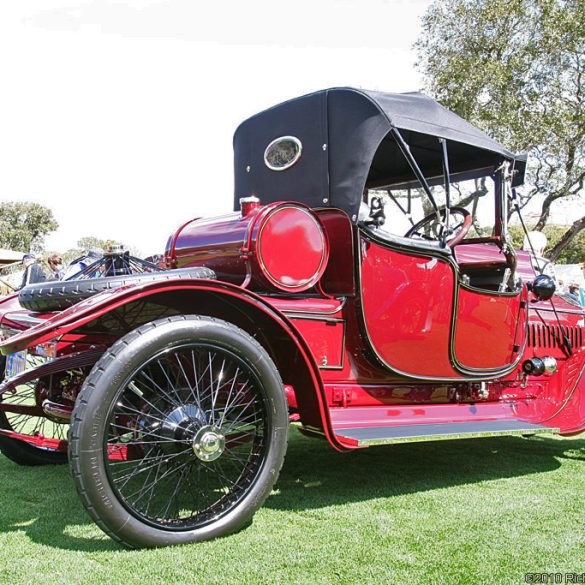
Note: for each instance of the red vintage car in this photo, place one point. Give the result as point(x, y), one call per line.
point(364, 289)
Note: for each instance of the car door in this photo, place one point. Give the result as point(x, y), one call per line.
point(421, 321)
point(490, 323)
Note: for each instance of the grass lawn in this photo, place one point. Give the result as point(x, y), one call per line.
point(474, 511)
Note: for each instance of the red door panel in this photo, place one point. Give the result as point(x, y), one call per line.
point(407, 303)
point(485, 330)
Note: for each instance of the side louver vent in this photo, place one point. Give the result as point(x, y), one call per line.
point(551, 335)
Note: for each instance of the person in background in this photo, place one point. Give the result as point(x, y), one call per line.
point(56, 265)
point(79, 265)
point(32, 271)
point(573, 292)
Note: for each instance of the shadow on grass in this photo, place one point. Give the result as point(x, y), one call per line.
point(315, 476)
point(42, 501)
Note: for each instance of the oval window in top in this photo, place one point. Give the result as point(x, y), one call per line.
point(282, 153)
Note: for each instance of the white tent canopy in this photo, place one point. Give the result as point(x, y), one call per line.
point(9, 256)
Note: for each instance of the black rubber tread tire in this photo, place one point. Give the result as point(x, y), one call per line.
point(57, 295)
point(21, 452)
point(90, 417)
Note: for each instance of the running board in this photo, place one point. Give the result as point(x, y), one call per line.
point(387, 435)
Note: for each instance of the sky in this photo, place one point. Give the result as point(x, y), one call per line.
point(119, 115)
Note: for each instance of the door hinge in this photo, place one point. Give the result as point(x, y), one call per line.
point(341, 396)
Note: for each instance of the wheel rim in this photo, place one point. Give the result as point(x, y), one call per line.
point(186, 437)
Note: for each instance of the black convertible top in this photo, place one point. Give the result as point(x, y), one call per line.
point(348, 145)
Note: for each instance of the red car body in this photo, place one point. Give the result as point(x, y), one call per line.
point(378, 340)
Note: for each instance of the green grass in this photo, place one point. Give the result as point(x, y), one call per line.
point(474, 511)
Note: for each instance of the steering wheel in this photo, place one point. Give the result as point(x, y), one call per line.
point(430, 228)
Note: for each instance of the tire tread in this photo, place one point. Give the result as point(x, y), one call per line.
point(93, 379)
point(59, 295)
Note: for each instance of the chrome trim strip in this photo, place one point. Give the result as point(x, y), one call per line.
point(24, 318)
point(316, 313)
point(446, 437)
point(567, 311)
point(491, 293)
point(291, 162)
point(314, 317)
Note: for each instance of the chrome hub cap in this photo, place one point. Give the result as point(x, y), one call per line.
point(208, 443)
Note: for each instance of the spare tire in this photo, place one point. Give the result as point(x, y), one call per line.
point(57, 295)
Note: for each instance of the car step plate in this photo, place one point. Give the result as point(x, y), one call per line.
point(385, 435)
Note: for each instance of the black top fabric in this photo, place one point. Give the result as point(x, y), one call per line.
point(348, 146)
point(420, 113)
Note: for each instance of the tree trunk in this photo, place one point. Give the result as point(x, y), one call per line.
point(566, 239)
point(544, 213)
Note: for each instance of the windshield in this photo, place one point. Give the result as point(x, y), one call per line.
point(405, 209)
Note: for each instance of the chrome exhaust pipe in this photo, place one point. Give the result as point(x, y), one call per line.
point(56, 412)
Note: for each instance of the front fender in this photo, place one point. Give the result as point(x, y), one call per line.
point(76, 316)
point(311, 396)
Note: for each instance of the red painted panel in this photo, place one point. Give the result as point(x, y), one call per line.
point(524, 268)
point(407, 305)
point(420, 414)
point(325, 340)
point(485, 329)
point(484, 253)
point(280, 246)
point(521, 339)
point(338, 278)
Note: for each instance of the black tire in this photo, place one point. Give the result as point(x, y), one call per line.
point(19, 451)
point(151, 406)
point(57, 295)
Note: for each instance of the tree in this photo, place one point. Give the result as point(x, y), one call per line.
point(573, 253)
point(569, 247)
point(516, 68)
point(23, 226)
point(90, 242)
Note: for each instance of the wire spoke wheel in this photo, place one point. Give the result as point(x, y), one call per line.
point(190, 439)
point(186, 437)
point(27, 424)
point(48, 437)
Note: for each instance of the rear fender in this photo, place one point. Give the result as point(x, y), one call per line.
point(126, 308)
